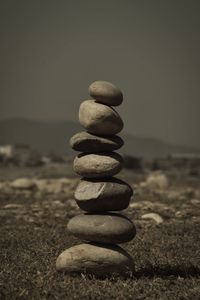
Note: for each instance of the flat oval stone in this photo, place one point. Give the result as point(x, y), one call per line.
point(90, 143)
point(95, 259)
point(98, 165)
point(106, 194)
point(106, 92)
point(104, 228)
point(99, 119)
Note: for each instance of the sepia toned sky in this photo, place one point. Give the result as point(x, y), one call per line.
point(50, 51)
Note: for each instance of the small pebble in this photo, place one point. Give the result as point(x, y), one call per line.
point(156, 217)
point(106, 194)
point(23, 184)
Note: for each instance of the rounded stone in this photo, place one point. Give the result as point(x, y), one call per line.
point(98, 165)
point(106, 194)
point(23, 184)
point(104, 228)
point(106, 92)
point(90, 143)
point(95, 259)
point(99, 119)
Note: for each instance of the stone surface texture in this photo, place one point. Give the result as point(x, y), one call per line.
point(99, 119)
point(105, 228)
point(98, 165)
point(95, 259)
point(106, 92)
point(104, 194)
point(90, 143)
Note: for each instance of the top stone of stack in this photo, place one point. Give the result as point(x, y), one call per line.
point(106, 93)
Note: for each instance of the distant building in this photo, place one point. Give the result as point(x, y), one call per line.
point(19, 154)
point(185, 156)
point(6, 151)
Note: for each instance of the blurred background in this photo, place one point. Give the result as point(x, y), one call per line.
point(52, 50)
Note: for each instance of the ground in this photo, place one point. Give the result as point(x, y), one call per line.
point(33, 233)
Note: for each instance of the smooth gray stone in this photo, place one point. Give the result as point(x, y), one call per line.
point(90, 143)
point(99, 119)
point(104, 228)
point(106, 92)
point(95, 259)
point(98, 165)
point(106, 194)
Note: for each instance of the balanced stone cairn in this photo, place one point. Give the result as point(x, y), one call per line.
point(98, 193)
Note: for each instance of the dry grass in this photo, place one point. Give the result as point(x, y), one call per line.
point(33, 233)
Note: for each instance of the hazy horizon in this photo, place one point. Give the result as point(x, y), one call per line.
point(123, 133)
point(51, 51)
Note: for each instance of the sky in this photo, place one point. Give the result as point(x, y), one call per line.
point(50, 52)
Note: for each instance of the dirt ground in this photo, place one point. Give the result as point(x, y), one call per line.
point(33, 233)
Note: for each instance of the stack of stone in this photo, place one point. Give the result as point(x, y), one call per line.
point(98, 193)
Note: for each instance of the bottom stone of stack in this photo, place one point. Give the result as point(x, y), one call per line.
point(95, 259)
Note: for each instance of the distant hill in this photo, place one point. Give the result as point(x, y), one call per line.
point(54, 137)
point(152, 147)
